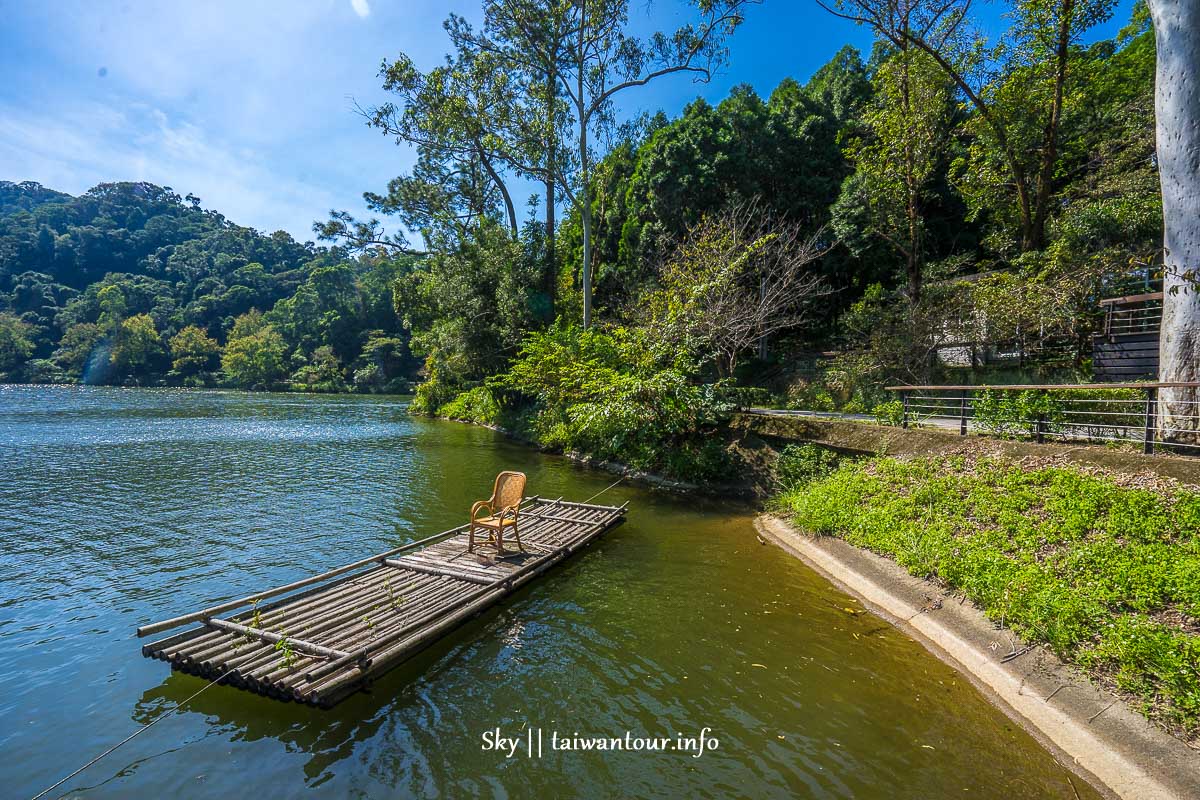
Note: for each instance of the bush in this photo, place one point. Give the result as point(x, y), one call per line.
point(1011, 414)
point(615, 395)
point(889, 413)
point(704, 461)
point(474, 405)
point(799, 464)
point(811, 396)
point(431, 395)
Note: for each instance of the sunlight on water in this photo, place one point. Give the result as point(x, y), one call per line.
point(119, 507)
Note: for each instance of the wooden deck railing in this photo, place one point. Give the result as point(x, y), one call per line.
point(1122, 413)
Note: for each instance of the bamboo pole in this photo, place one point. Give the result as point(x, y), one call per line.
point(275, 638)
point(198, 616)
point(429, 569)
point(303, 611)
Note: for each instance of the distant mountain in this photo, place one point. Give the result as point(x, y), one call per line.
point(180, 265)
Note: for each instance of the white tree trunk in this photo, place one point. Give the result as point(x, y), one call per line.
point(1177, 109)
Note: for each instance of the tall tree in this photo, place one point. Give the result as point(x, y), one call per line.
point(908, 128)
point(1177, 107)
point(595, 59)
point(1017, 88)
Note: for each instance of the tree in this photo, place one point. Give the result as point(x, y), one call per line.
point(255, 355)
point(908, 128)
point(193, 351)
point(16, 341)
point(323, 373)
point(594, 59)
point(112, 307)
point(738, 278)
point(1177, 103)
point(1017, 89)
point(76, 347)
point(137, 345)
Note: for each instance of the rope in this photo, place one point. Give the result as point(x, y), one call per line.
point(128, 738)
point(605, 489)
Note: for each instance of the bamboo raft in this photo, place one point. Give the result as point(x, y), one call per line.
point(322, 638)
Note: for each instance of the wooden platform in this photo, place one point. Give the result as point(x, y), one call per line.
point(322, 638)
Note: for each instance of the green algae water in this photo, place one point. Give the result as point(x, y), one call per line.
point(120, 507)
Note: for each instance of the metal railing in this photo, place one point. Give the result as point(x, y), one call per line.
point(1132, 414)
point(1139, 313)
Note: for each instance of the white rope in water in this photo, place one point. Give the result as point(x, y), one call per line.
point(605, 489)
point(130, 737)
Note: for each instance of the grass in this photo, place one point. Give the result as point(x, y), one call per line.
point(1105, 573)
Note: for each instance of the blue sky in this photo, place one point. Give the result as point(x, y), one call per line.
point(249, 103)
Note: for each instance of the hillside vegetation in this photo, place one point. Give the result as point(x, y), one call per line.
point(132, 284)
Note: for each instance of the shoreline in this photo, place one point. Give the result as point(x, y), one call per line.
point(1092, 733)
point(732, 492)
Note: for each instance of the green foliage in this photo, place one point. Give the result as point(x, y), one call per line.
point(193, 351)
point(323, 373)
point(1104, 574)
point(76, 347)
point(800, 464)
point(782, 153)
point(137, 346)
point(889, 413)
point(77, 269)
point(908, 130)
point(16, 341)
point(476, 405)
point(255, 355)
point(1013, 414)
point(614, 394)
point(468, 309)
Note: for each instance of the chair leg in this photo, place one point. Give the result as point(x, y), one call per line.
point(471, 539)
point(517, 535)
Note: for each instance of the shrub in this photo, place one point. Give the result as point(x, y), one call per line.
point(613, 394)
point(799, 464)
point(474, 405)
point(889, 413)
point(1015, 413)
point(431, 395)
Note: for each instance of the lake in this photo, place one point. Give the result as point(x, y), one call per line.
point(120, 507)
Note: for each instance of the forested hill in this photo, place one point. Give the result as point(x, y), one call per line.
point(129, 283)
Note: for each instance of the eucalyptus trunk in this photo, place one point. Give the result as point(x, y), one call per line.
point(1177, 110)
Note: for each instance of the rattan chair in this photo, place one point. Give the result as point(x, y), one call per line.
point(504, 509)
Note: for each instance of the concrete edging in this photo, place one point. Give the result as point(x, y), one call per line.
point(1096, 735)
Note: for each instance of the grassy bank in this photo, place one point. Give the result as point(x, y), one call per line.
point(1104, 571)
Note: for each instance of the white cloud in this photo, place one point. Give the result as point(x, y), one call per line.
point(361, 7)
point(95, 143)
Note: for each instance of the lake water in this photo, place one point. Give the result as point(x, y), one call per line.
point(121, 507)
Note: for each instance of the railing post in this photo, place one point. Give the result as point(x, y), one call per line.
point(1040, 432)
point(962, 413)
point(1151, 414)
point(904, 411)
